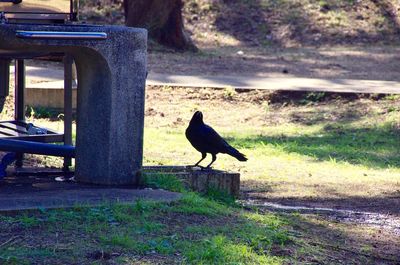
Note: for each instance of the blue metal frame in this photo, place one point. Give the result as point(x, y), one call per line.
point(61, 35)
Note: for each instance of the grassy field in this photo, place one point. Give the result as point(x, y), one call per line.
point(309, 150)
point(331, 150)
point(302, 150)
point(194, 230)
point(312, 149)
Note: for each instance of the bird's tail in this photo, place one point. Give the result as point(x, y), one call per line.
point(235, 153)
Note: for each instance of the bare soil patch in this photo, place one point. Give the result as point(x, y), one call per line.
point(167, 105)
point(351, 62)
point(172, 107)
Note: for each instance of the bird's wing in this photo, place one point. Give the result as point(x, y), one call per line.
point(212, 138)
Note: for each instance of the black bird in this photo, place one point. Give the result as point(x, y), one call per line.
point(206, 140)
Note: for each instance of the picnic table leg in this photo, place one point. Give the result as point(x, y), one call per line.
point(19, 111)
point(67, 107)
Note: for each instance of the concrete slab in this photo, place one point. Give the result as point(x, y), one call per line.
point(38, 188)
point(51, 78)
point(23, 193)
point(48, 95)
point(275, 83)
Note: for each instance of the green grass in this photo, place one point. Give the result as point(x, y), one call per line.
point(163, 181)
point(311, 157)
point(43, 113)
point(195, 204)
point(372, 147)
point(307, 155)
point(23, 255)
point(220, 250)
point(207, 232)
point(220, 196)
point(224, 244)
point(223, 234)
point(28, 221)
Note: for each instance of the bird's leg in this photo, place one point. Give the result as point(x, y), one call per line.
point(203, 155)
point(214, 157)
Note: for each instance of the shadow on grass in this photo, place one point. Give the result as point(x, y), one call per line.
point(199, 230)
point(375, 147)
point(323, 241)
point(302, 62)
point(179, 231)
point(389, 10)
point(388, 203)
point(283, 22)
point(338, 118)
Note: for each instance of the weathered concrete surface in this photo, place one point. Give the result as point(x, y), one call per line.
point(48, 97)
point(289, 83)
point(43, 192)
point(201, 180)
point(110, 100)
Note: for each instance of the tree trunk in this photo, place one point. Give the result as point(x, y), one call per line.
point(162, 18)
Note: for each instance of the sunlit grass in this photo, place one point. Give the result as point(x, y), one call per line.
point(310, 158)
point(195, 230)
point(325, 159)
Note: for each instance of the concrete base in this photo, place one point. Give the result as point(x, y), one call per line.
point(38, 192)
point(22, 193)
point(48, 98)
point(200, 180)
